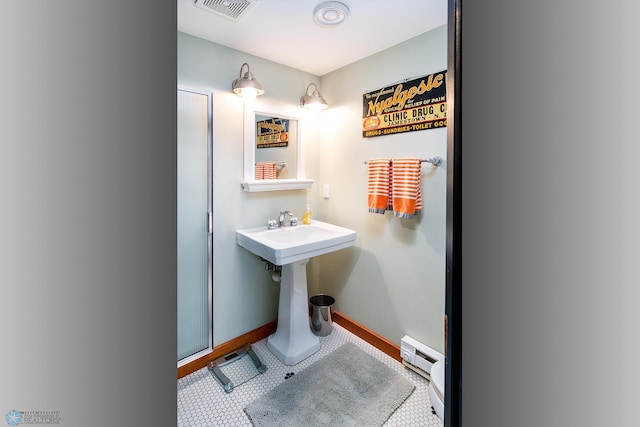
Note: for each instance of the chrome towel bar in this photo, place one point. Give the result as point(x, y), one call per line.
point(436, 161)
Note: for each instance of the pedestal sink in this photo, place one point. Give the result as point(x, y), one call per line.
point(291, 248)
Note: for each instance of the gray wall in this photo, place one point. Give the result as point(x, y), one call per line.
point(393, 279)
point(244, 295)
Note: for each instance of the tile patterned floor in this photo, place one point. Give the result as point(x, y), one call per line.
point(202, 402)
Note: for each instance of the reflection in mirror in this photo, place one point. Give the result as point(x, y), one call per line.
point(273, 149)
point(276, 147)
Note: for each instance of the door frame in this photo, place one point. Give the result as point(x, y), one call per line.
point(453, 303)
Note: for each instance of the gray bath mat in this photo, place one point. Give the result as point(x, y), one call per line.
point(348, 387)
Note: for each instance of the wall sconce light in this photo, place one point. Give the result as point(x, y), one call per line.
point(315, 101)
point(247, 86)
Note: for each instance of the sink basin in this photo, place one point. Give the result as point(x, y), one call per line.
point(292, 247)
point(286, 245)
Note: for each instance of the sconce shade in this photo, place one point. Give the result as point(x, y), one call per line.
point(315, 101)
point(246, 85)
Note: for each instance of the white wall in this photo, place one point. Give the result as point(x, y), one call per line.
point(393, 280)
point(244, 295)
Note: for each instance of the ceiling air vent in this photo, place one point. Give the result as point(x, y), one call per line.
point(230, 9)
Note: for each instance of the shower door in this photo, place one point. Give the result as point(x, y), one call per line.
point(194, 228)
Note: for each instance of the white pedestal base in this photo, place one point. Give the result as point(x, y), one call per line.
point(293, 340)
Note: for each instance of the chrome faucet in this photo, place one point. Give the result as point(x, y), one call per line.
point(294, 220)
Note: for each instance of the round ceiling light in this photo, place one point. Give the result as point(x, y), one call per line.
point(330, 14)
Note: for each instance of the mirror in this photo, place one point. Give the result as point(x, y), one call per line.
point(273, 149)
point(276, 144)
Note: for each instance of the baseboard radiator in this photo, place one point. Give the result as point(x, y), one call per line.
point(418, 357)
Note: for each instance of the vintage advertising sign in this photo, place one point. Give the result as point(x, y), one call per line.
point(416, 104)
point(272, 133)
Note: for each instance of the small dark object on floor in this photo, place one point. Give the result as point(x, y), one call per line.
point(289, 375)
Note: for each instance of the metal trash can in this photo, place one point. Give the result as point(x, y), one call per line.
point(321, 323)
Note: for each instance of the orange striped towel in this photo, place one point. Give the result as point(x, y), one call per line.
point(269, 170)
point(260, 170)
point(407, 197)
point(378, 187)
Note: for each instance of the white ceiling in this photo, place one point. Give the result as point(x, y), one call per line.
point(283, 31)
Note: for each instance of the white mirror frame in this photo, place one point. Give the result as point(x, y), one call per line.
point(249, 183)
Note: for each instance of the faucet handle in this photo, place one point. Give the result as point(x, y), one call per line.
point(272, 224)
point(294, 221)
